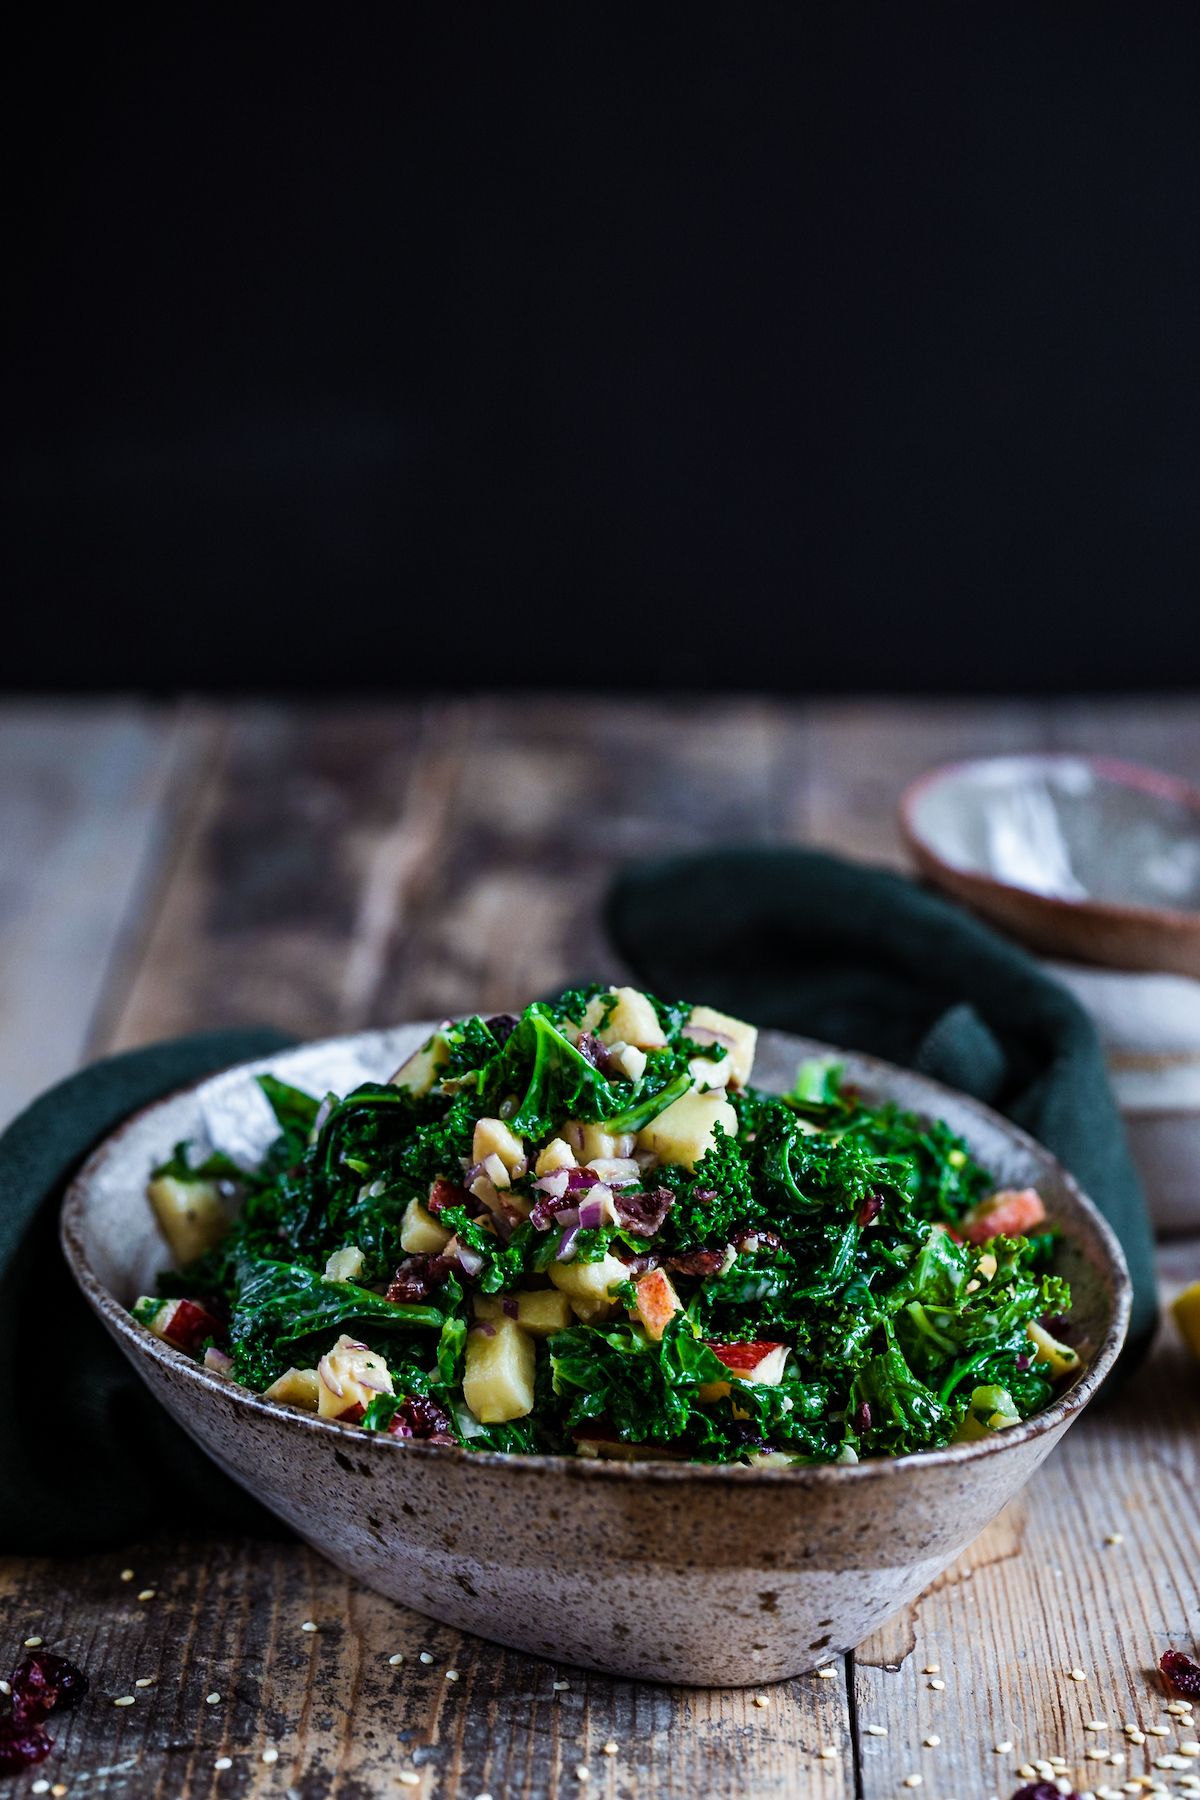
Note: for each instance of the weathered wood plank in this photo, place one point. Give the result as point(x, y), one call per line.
point(553, 798)
point(1043, 1592)
point(226, 1620)
point(305, 847)
point(87, 795)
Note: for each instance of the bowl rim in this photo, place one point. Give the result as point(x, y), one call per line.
point(142, 1344)
point(1120, 773)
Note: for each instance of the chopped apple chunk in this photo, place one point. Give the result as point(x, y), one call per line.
point(760, 1363)
point(631, 1019)
point(1059, 1358)
point(590, 1141)
point(587, 1285)
point(1014, 1212)
point(493, 1138)
point(191, 1215)
point(345, 1265)
point(499, 1370)
point(296, 1387)
point(739, 1041)
point(541, 1311)
point(420, 1071)
point(686, 1129)
point(991, 1409)
point(557, 1154)
point(657, 1302)
point(350, 1376)
point(420, 1233)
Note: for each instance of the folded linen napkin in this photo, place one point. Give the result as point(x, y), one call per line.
point(806, 942)
point(87, 1456)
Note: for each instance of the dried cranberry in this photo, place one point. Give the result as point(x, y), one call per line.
point(869, 1211)
point(21, 1746)
point(697, 1262)
point(502, 1026)
point(416, 1279)
point(40, 1682)
point(750, 1239)
point(443, 1193)
point(1042, 1790)
point(1022, 1364)
point(591, 1049)
point(644, 1213)
point(1181, 1673)
point(421, 1417)
point(862, 1417)
point(636, 1263)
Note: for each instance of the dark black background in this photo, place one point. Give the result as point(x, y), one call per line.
point(776, 346)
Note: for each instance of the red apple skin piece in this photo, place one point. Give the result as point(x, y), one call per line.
point(758, 1362)
point(657, 1302)
point(187, 1326)
point(1014, 1212)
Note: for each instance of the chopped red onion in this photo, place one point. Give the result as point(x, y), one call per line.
point(567, 1247)
point(217, 1361)
point(469, 1261)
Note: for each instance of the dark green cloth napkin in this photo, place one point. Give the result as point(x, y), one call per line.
point(805, 942)
point(87, 1456)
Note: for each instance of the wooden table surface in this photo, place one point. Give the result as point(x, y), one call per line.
point(327, 867)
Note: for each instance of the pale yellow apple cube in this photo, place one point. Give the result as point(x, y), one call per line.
point(592, 1142)
point(420, 1071)
point(493, 1138)
point(587, 1285)
point(296, 1387)
point(345, 1265)
point(540, 1311)
point(349, 1376)
point(630, 1060)
point(632, 1020)
point(558, 1154)
point(686, 1129)
point(420, 1233)
point(708, 1026)
point(499, 1370)
point(191, 1215)
point(1060, 1358)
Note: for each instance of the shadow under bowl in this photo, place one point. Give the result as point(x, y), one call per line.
point(674, 1572)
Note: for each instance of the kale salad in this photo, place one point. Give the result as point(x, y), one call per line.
point(585, 1231)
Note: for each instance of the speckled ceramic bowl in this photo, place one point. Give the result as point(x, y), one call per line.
point(672, 1571)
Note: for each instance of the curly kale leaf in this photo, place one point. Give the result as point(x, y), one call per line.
point(277, 1305)
point(540, 1079)
point(712, 1198)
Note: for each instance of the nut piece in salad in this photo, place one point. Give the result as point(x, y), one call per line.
point(585, 1231)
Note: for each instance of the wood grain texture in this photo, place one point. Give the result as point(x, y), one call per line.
point(325, 867)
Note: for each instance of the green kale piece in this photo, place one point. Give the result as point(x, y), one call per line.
point(277, 1305)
